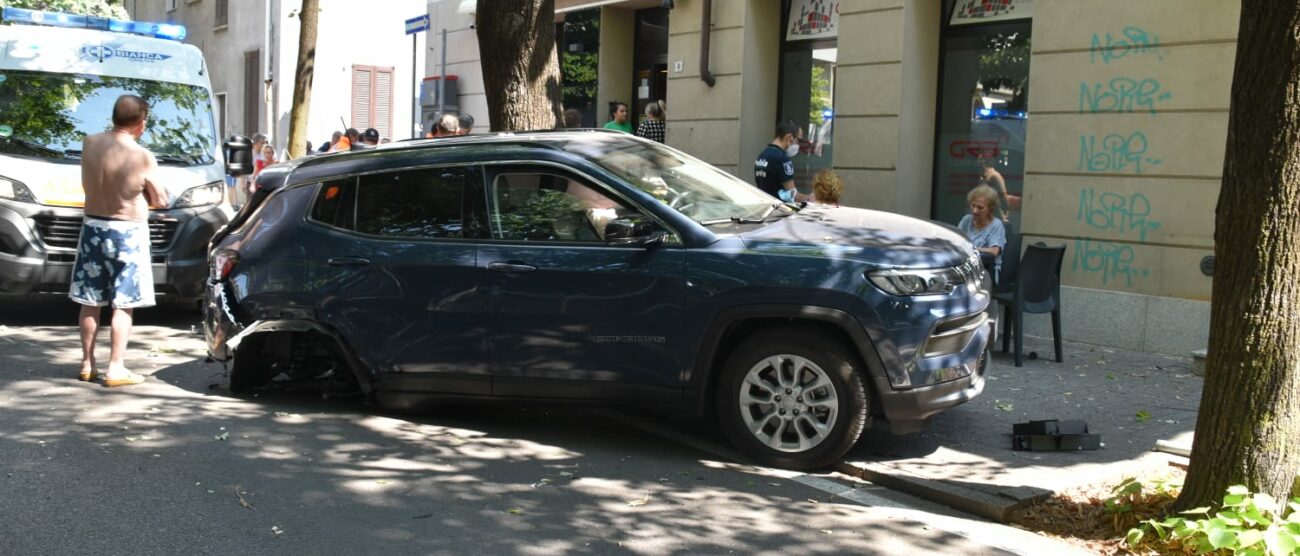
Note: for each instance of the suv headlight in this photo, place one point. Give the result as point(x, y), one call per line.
point(15, 191)
point(924, 281)
point(209, 194)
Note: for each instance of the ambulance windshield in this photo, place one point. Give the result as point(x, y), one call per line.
point(47, 115)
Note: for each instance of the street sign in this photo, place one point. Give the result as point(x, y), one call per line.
point(417, 24)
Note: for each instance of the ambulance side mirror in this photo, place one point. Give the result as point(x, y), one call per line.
point(238, 151)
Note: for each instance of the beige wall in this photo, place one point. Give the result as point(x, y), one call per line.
point(1125, 144)
point(614, 64)
point(703, 120)
point(868, 99)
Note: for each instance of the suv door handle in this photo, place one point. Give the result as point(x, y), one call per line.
point(511, 268)
point(348, 261)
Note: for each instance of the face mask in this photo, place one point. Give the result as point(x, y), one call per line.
point(792, 150)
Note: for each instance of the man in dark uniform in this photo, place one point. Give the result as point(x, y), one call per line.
point(773, 171)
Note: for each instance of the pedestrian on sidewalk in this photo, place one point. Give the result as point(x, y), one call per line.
point(773, 170)
point(466, 122)
point(827, 188)
point(653, 127)
point(572, 118)
point(446, 125)
point(113, 265)
point(618, 117)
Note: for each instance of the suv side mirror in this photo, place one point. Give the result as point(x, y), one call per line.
point(633, 230)
point(238, 152)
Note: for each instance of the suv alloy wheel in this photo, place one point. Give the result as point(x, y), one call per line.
point(791, 398)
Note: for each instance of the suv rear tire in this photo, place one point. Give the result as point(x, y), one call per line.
point(794, 399)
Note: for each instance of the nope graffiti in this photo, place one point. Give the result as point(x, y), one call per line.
point(1115, 153)
point(1121, 94)
point(1113, 261)
point(1113, 212)
point(1131, 41)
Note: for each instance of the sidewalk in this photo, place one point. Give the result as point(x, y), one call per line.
point(964, 458)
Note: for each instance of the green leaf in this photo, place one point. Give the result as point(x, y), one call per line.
point(1234, 500)
point(1133, 537)
point(1238, 489)
point(1249, 537)
point(1265, 502)
point(1143, 416)
point(1221, 537)
point(1254, 517)
point(1200, 510)
point(1279, 541)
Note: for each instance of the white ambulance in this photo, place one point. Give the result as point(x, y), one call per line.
point(59, 77)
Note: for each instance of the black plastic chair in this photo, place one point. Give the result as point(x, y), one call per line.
point(1036, 290)
point(1006, 281)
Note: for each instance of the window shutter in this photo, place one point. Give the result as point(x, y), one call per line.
point(223, 13)
point(252, 82)
point(383, 114)
point(362, 97)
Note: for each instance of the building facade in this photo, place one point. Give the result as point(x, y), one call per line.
point(365, 65)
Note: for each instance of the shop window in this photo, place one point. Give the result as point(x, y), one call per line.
point(809, 55)
point(983, 106)
point(578, 42)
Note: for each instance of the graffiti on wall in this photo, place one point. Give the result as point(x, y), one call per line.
point(1121, 95)
point(1131, 41)
point(1117, 152)
point(1112, 212)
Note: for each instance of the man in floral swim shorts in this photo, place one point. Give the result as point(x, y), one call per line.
point(113, 262)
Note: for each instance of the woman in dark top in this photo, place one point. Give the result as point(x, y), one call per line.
point(653, 127)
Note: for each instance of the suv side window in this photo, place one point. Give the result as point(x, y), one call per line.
point(424, 203)
point(544, 206)
point(335, 203)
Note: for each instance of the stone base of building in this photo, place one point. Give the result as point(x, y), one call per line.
point(1128, 321)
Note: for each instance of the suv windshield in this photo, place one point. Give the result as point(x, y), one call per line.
point(688, 185)
point(48, 114)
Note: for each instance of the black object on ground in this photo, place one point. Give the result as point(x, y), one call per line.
point(1053, 435)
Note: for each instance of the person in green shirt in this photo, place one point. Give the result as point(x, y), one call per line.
point(619, 117)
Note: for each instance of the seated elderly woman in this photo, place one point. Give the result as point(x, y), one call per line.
point(983, 227)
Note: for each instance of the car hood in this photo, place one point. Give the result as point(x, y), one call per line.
point(877, 238)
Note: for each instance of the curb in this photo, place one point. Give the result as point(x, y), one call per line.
point(996, 507)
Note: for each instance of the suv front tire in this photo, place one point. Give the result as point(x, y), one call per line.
point(794, 399)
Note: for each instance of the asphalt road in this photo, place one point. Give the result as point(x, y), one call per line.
point(180, 465)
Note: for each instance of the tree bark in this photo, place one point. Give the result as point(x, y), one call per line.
point(302, 78)
point(1248, 429)
point(520, 70)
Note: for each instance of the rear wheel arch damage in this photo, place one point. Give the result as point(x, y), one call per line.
point(303, 358)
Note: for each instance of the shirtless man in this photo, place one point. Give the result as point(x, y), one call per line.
point(113, 263)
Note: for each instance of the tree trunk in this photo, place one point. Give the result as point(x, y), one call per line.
point(1248, 430)
point(302, 78)
point(520, 71)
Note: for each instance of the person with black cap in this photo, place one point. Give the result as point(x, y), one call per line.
point(466, 124)
point(370, 138)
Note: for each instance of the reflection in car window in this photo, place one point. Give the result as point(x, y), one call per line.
point(688, 185)
point(334, 203)
point(48, 115)
point(426, 203)
point(548, 207)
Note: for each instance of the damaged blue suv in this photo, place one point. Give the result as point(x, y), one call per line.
point(597, 267)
